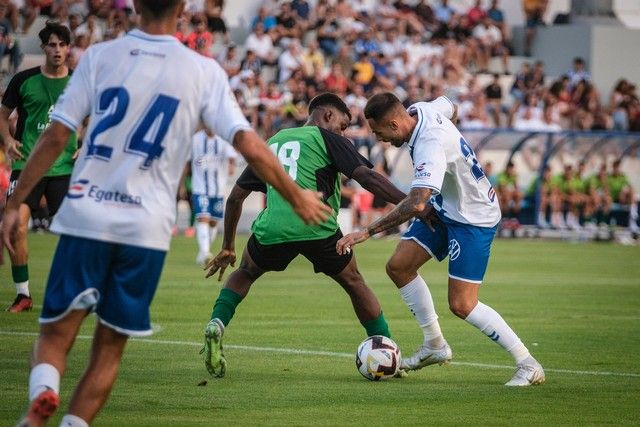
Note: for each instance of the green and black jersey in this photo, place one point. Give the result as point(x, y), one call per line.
point(314, 158)
point(35, 95)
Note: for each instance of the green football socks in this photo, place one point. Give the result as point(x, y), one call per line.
point(225, 305)
point(377, 326)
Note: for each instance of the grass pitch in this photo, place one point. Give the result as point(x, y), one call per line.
point(290, 348)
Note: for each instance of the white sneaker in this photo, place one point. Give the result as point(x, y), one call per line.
point(528, 373)
point(426, 356)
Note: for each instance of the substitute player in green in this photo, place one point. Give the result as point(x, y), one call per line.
point(622, 194)
point(314, 156)
point(33, 93)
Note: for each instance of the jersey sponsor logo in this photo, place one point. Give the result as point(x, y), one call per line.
point(420, 172)
point(454, 250)
point(137, 52)
point(80, 188)
point(76, 189)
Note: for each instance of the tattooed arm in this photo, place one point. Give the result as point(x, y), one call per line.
point(409, 207)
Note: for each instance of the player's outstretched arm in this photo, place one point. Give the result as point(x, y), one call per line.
point(305, 203)
point(378, 184)
point(411, 206)
point(46, 151)
point(232, 212)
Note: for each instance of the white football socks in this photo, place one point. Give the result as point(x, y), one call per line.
point(213, 232)
point(43, 377)
point(202, 234)
point(493, 325)
point(73, 421)
point(23, 288)
point(418, 298)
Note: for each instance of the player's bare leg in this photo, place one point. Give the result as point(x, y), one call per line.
point(19, 264)
point(402, 269)
point(48, 364)
point(235, 289)
point(96, 383)
point(365, 303)
point(463, 302)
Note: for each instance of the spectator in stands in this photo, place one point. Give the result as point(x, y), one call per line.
point(534, 10)
point(32, 9)
point(313, 59)
point(288, 27)
point(8, 45)
point(289, 61)
point(251, 62)
point(91, 29)
point(271, 103)
point(267, 20)
point(11, 12)
point(329, 32)
point(497, 16)
point(182, 30)
point(367, 43)
point(336, 81)
point(364, 71)
point(493, 93)
point(519, 87)
point(444, 12)
point(302, 10)
point(229, 61)
point(491, 44)
point(510, 196)
point(620, 97)
point(578, 73)
point(215, 22)
point(200, 38)
point(534, 80)
point(426, 15)
point(80, 45)
point(262, 44)
point(476, 14)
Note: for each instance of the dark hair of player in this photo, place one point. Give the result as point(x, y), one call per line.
point(329, 100)
point(158, 8)
point(53, 27)
point(379, 105)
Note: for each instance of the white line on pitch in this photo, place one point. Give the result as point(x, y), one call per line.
point(336, 354)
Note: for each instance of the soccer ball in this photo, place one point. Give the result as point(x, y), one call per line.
point(378, 358)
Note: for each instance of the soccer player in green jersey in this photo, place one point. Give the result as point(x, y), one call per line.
point(600, 196)
point(510, 196)
point(33, 93)
point(622, 193)
point(548, 198)
point(314, 156)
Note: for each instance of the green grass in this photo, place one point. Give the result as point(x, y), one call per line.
point(577, 307)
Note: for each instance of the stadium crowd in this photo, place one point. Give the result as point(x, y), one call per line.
point(419, 50)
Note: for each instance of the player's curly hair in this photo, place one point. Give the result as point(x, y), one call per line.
point(54, 27)
point(379, 105)
point(328, 99)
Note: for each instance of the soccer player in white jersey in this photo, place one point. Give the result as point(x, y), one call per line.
point(463, 212)
point(212, 160)
point(145, 94)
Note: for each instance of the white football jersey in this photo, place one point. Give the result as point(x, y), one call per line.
point(210, 164)
point(445, 163)
point(145, 96)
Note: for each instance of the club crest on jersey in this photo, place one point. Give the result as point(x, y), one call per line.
point(137, 52)
point(492, 194)
point(454, 250)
